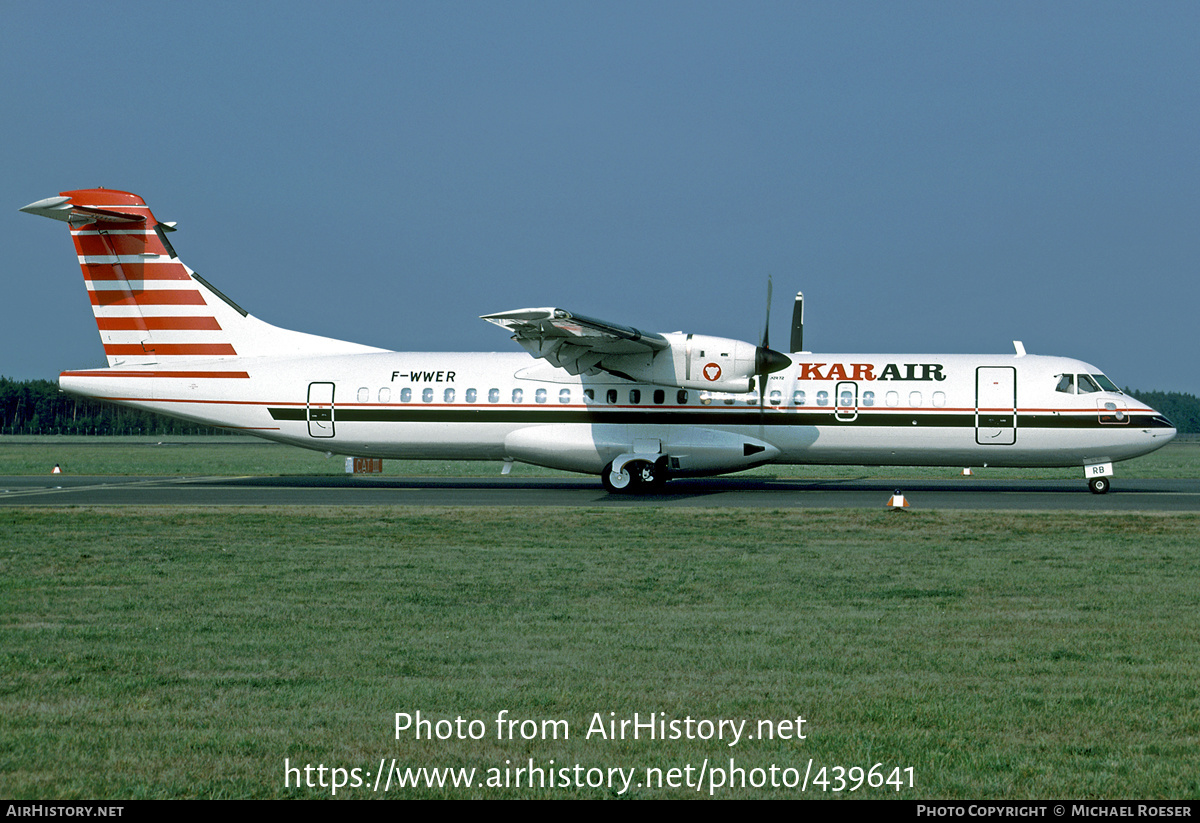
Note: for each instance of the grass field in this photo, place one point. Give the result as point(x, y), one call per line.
point(187, 652)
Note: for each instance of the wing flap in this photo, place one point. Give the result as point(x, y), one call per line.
point(573, 342)
point(550, 325)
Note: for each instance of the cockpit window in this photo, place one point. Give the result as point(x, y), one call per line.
point(1087, 384)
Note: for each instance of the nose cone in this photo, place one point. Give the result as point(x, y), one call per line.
point(1160, 430)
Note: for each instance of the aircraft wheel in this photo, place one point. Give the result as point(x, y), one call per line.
point(1098, 485)
point(616, 483)
point(648, 476)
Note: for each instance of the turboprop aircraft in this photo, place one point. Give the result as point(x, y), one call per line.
point(635, 408)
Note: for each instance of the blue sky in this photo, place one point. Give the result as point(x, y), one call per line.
point(936, 177)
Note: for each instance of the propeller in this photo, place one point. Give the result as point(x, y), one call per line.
point(766, 359)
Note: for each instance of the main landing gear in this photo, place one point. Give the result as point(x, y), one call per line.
point(635, 477)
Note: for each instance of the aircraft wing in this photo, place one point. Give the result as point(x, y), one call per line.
point(578, 344)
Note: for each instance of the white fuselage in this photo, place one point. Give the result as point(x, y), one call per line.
point(955, 410)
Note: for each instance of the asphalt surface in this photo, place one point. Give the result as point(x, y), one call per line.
point(333, 490)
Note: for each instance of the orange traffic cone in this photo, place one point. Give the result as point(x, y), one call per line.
point(57, 470)
point(967, 472)
point(897, 502)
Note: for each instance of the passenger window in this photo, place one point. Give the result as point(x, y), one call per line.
point(798, 398)
point(611, 396)
point(493, 395)
point(448, 396)
point(427, 396)
point(705, 398)
point(822, 398)
point(471, 395)
point(406, 395)
point(660, 396)
point(939, 398)
point(846, 399)
point(776, 397)
point(915, 399)
point(1066, 384)
point(892, 398)
point(589, 395)
point(564, 396)
point(635, 396)
point(540, 395)
point(518, 396)
point(681, 397)
point(364, 395)
point(868, 398)
point(385, 395)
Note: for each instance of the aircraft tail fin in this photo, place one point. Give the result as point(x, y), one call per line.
point(150, 308)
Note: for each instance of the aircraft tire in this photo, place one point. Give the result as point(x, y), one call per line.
point(624, 484)
point(1099, 485)
point(648, 477)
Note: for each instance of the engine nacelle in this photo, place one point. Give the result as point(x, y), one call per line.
point(700, 361)
point(689, 450)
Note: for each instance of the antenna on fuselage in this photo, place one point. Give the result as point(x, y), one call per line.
point(798, 323)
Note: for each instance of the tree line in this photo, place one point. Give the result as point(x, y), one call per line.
point(38, 407)
point(1181, 409)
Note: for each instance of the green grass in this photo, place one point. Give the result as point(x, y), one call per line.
point(238, 456)
point(169, 652)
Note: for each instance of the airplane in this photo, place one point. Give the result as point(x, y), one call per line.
point(636, 408)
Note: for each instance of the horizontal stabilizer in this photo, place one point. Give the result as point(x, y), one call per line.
point(61, 208)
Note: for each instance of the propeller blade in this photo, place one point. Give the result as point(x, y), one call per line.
point(766, 336)
point(798, 323)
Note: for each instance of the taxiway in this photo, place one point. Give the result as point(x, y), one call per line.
point(1167, 495)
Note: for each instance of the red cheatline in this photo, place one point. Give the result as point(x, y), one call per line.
point(190, 375)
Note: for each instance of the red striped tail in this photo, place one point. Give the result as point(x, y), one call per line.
point(149, 307)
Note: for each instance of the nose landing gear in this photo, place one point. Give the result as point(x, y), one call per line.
point(1099, 476)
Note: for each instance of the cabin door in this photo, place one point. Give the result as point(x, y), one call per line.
point(996, 405)
point(320, 409)
point(845, 403)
